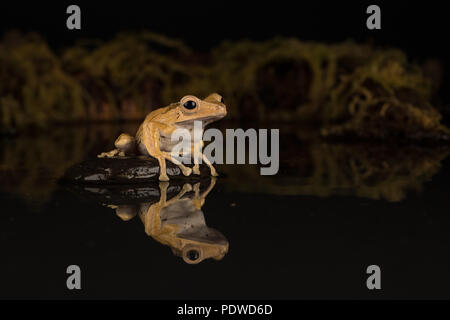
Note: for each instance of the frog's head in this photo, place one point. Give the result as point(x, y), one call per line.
point(196, 252)
point(208, 110)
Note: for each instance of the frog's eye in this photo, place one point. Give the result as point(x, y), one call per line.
point(221, 100)
point(190, 104)
point(192, 255)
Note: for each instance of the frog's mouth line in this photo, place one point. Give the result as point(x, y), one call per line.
point(204, 120)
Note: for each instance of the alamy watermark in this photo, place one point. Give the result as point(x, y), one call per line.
point(189, 145)
point(374, 280)
point(73, 281)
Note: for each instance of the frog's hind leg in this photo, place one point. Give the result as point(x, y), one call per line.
point(109, 154)
point(125, 145)
point(126, 212)
point(162, 156)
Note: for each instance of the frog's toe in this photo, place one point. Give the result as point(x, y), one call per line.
point(196, 170)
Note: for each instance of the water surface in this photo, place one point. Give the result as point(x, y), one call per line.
point(308, 232)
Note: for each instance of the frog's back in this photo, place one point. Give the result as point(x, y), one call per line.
point(152, 116)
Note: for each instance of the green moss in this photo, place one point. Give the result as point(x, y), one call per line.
point(348, 88)
point(34, 90)
point(130, 74)
point(385, 97)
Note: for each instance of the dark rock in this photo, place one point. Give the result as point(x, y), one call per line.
point(124, 170)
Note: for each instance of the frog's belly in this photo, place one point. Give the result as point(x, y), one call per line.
point(165, 144)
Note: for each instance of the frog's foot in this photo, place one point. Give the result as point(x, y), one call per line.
point(196, 169)
point(109, 154)
point(163, 177)
point(214, 172)
point(186, 171)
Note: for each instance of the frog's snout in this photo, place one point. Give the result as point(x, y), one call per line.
point(222, 111)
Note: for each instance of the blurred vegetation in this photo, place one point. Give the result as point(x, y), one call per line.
point(347, 88)
point(34, 89)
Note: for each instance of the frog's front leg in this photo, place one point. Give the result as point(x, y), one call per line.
point(151, 140)
point(196, 155)
point(208, 163)
point(199, 199)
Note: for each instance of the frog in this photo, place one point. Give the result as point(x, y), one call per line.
point(153, 138)
point(179, 222)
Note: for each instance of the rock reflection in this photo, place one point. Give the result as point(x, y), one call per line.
point(177, 221)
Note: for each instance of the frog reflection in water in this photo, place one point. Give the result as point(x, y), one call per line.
point(180, 223)
point(154, 135)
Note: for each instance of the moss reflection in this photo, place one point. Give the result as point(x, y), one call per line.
point(376, 172)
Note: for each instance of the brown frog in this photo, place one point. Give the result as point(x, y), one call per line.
point(154, 135)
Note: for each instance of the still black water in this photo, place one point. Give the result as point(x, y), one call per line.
point(308, 232)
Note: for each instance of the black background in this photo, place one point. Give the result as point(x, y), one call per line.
point(420, 28)
point(417, 26)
